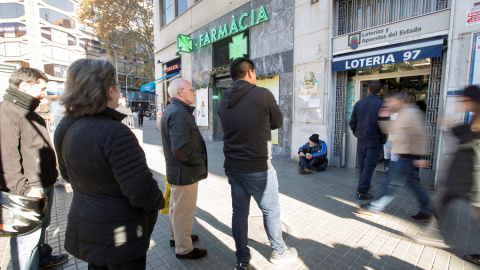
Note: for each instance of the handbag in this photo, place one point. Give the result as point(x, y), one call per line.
point(166, 196)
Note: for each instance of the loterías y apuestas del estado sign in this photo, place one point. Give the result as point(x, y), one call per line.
point(239, 24)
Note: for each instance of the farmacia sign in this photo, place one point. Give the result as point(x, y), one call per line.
point(237, 25)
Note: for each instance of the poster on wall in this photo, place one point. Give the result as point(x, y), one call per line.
point(475, 79)
point(272, 84)
point(473, 12)
point(309, 92)
point(201, 111)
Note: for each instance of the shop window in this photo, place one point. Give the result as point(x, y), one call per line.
point(181, 7)
point(55, 70)
point(66, 5)
point(357, 15)
point(11, 10)
point(57, 18)
point(167, 11)
point(9, 30)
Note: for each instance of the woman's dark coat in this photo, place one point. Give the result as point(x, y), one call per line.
point(116, 200)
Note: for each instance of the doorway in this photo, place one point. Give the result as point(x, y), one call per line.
point(357, 88)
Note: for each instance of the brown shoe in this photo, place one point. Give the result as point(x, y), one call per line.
point(194, 240)
point(196, 253)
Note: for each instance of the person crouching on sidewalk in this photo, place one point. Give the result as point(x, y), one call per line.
point(313, 155)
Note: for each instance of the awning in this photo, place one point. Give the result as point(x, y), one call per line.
point(151, 85)
point(392, 55)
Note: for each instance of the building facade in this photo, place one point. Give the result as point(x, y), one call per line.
point(46, 35)
point(318, 58)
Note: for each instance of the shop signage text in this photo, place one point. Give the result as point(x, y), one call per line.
point(393, 57)
point(404, 31)
point(236, 26)
point(168, 69)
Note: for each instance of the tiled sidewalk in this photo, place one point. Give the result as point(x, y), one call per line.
point(318, 210)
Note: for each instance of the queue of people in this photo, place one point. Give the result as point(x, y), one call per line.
point(116, 199)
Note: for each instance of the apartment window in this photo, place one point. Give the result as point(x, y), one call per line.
point(66, 5)
point(12, 30)
point(181, 7)
point(55, 70)
point(11, 10)
point(358, 15)
point(167, 11)
point(57, 18)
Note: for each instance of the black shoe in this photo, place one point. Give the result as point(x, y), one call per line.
point(421, 217)
point(196, 253)
point(473, 258)
point(364, 196)
point(194, 240)
point(242, 266)
point(57, 260)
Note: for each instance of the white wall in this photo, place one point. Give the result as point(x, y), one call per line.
point(312, 41)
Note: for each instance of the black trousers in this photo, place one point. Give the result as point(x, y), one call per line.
point(308, 164)
point(140, 120)
point(140, 263)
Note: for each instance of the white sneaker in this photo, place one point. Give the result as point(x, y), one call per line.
point(288, 254)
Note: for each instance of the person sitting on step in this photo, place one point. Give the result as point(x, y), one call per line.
point(313, 155)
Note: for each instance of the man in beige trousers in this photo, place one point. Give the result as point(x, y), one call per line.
point(186, 158)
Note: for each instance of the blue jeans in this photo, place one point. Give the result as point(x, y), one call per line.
point(29, 251)
point(263, 187)
point(402, 170)
point(368, 152)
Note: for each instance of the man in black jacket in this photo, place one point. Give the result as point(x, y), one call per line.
point(28, 165)
point(370, 140)
point(186, 157)
point(248, 114)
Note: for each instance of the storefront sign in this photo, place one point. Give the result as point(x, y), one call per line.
point(184, 43)
point(405, 31)
point(398, 54)
point(473, 13)
point(237, 25)
point(176, 66)
point(238, 47)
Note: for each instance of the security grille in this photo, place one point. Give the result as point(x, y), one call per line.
point(340, 92)
point(432, 107)
point(357, 15)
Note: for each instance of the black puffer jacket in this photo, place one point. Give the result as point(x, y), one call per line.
point(26, 150)
point(183, 146)
point(115, 201)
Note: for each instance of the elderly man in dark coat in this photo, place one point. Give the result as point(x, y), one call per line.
point(186, 158)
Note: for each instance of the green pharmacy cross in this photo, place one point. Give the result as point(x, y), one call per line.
point(184, 43)
point(238, 46)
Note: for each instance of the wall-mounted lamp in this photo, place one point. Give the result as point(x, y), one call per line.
point(159, 62)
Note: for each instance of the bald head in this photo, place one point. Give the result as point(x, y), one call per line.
point(182, 90)
point(175, 85)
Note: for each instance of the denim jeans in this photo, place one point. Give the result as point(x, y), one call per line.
point(308, 164)
point(402, 170)
point(29, 251)
point(263, 187)
point(368, 152)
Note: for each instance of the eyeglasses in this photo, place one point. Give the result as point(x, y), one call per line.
point(190, 89)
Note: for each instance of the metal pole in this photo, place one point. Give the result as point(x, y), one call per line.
point(126, 84)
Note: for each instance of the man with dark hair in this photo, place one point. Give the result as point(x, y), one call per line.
point(28, 165)
point(248, 114)
point(370, 140)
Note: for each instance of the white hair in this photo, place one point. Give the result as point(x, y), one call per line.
point(175, 85)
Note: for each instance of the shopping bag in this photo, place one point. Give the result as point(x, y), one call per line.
point(166, 196)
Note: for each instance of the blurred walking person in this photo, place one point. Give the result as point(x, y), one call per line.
point(186, 157)
point(116, 200)
point(463, 179)
point(249, 113)
point(409, 143)
point(370, 139)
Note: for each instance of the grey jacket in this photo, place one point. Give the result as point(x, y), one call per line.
point(183, 146)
